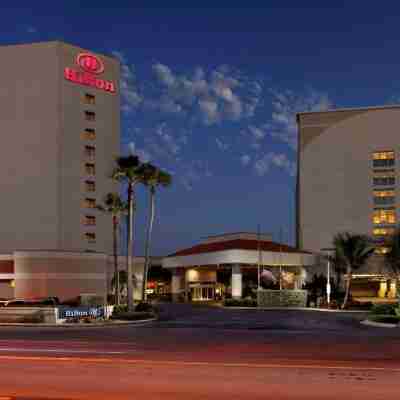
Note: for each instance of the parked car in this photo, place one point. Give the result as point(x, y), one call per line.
point(34, 302)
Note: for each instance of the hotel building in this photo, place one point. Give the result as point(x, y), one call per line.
point(60, 132)
point(348, 180)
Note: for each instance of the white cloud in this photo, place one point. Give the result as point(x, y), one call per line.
point(143, 155)
point(285, 105)
point(245, 159)
point(278, 160)
point(130, 96)
point(164, 74)
point(258, 133)
point(210, 99)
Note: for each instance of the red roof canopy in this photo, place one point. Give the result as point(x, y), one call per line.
point(238, 244)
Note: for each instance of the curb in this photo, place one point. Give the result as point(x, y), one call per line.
point(295, 309)
point(75, 326)
point(367, 322)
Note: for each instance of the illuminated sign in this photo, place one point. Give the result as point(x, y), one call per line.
point(91, 66)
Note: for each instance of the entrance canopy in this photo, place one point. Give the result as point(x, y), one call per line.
point(239, 249)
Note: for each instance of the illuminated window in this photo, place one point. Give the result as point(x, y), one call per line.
point(89, 220)
point(383, 231)
point(90, 237)
point(383, 159)
point(384, 179)
point(89, 99)
point(90, 116)
point(90, 151)
point(384, 217)
point(381, 250)
point(89, 134)
point(90, 169)
point(90, 186)
point(384, 196)
point(89, 203)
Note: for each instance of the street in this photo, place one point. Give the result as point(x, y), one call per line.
point(197, 352)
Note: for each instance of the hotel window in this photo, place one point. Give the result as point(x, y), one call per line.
point(381, 250)
point(384, 217)
point(384, 179)
point(90, 237)
point(90, 116)
point(90, 151)
point(89, 220)
point(89, 203)
point(90, 169)
point(89, 134)
point(90, 186)
point(383, 159)
point(89, 99)
point(384, 197)
point(383, 231)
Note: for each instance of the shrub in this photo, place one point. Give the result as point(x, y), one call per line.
point(132, 316)
point(120, 309)
point(144, 307)
point(240, 303)
point(384, 309)
point(386, 319)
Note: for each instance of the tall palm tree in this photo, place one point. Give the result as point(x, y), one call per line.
point(153, 177)
point(129, 169)
point(122, 281)
point(353, 250)
point(114, 205)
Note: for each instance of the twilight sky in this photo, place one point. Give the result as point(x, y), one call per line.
point(210, 94)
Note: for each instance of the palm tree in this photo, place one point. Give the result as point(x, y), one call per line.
point(152, 178)
point(353, 250)
point(114, 205)
point(129, 169)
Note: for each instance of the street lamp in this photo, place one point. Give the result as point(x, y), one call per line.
point(328, 274)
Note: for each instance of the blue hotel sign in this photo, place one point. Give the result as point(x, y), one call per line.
point(80, 312)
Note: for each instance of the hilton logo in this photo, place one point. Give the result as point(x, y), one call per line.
point(90, 65)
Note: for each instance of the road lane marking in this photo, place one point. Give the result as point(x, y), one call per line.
point(195, 363)
point(38, 350)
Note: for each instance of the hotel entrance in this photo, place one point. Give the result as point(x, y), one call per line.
point(202, 292)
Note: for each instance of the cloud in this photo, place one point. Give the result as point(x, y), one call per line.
point(193, 172)
point(143, 155)
point(221, 95)
point(285, 105)
point(130, 96)
point(258, 133)
point(31, 29)
point(277, 160)
point(245, 159)
point(221, 145)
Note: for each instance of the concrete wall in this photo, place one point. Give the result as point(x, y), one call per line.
point(42, 153)
point(335, 171)
point(65, 275)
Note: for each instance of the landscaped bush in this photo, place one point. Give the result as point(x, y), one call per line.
point(384, 309)
point(132, 316)
point(240, 303)
point(120, 309)
point(144, 307)
point(386, 319)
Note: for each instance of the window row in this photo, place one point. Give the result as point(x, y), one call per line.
point(89, 134)
point(383, 197)
point(383, 159)
point(90, 237)
point(383, 231)
point(384, 216)
point(89, 220)
point(384, 179)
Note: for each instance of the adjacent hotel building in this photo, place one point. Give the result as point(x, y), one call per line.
point(60, 131)
point(348, 180)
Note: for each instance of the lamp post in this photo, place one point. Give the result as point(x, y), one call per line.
point(328, 274)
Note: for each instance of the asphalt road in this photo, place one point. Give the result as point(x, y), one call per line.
point(205, 353)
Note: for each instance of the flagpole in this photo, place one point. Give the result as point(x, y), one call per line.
point(259, 257)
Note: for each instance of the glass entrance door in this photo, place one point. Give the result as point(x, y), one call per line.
point(203, 293)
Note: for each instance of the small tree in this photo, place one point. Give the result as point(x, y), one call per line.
point(392, 257)
point(353, 250)
point(114, 205)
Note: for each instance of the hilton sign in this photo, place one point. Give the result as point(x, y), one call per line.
point(91, 66)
